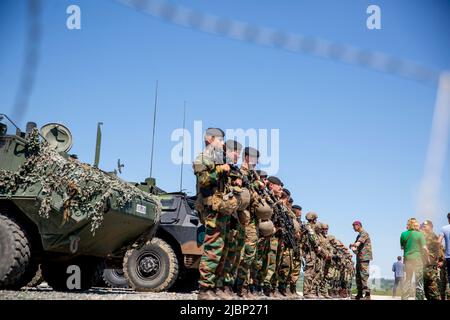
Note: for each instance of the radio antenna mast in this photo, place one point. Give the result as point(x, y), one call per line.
point(154, 127)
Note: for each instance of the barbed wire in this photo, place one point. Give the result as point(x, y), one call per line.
point(31, 61)
point(280, 39)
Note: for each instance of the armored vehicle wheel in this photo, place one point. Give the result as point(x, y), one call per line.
point(61, 276)
point(17, 267)
point(115, 278)
point(153, 267)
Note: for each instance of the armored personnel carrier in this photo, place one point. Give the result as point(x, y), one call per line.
point(66, 216)
point(172, 258)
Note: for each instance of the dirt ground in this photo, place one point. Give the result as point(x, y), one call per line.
point(44, 292)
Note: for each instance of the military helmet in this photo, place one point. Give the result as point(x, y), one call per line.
point(318, 225)
point(325, 226)
point(311, 216)
point(243, 199)
point(266, 228)
point(263, 211)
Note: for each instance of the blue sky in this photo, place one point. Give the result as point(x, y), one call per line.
point(352, 140)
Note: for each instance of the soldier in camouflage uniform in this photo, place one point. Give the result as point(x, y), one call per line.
point(311, 249)
point(332, 273)
point(251, 157)
point(348, 271)
point(259, 267)
point(433, 261)
point(271, 247)
point(322, 262)
point(211, 172)
point(297, 262)
point(287, 254)
point(362, 247)
point(231, 253)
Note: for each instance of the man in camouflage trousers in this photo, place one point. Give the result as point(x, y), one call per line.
point(260, 263)
point(323, 261)
point(271, 248)
point(362, 247)
point(231, 254)
point(243, 281)
point(311, 249)
point(287, 253)
point(211, 173)
point(297, 262)
point(434, 260)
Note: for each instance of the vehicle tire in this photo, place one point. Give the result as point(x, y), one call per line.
point(57, 274)
point(17, 267)
point(115, 278)
point(153, 267)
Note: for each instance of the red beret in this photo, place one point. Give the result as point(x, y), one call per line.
point(357, 222)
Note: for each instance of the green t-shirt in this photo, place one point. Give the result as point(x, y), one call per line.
point(413, 246)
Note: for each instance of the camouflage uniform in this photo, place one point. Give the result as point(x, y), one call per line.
point(431, 270)
point(310, 247)
point(323, 262)
point(269, 277)
point(333, 274)
point(216, 223)
point(348, 274)
point(286, 262)
point(296, 266)
point(232, 253)
point(248, 252)
point(259, 268)
point(234, 244)
point(363, 258)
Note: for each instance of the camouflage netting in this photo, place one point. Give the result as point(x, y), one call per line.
point(82, 187)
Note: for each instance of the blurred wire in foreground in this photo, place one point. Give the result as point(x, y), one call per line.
point(428, 205)
point(29, 67)
point(259, 35)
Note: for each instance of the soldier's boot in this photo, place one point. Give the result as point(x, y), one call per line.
point(367, 296)
point(283, 294)
point(225, 293)
point(244, 293)
point(290, 295)
point(240, 292)
point(358, 296)
point(206, 294)
point(267, 291)
point(251, 293)
point(277, 295)
point(293, 291)
point(325, 295)
point(258, 292)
